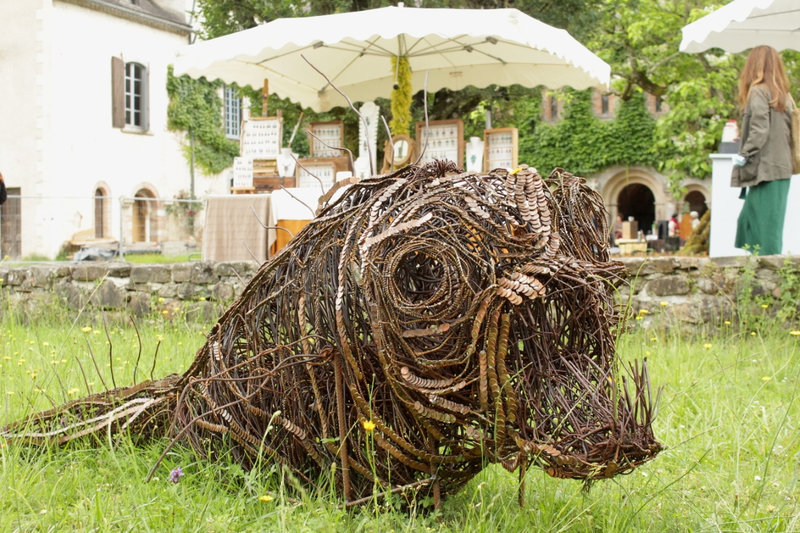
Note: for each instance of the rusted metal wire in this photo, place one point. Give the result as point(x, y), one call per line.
point(425, 323)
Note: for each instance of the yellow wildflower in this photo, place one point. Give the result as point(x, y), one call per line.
point(86, 329)
point(765, 378)
point(707, 345)
point(369, 425)
point(795, 333)
point(265, 498)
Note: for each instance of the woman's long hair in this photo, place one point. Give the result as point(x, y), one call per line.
point(764, 66)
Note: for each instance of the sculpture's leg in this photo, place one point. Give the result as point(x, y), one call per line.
point(337, 366)
point(523, 469)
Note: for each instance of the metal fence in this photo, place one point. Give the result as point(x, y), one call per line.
point(51, 227)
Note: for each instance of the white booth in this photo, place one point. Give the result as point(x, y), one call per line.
point(726, 205)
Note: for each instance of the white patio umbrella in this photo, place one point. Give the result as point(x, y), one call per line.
point(455, 47)
point(743, 24)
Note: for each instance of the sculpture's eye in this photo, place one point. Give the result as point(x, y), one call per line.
point(419, 277)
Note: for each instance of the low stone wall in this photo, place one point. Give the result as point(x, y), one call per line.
point(691, 290)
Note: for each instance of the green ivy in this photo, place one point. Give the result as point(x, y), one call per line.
point(583, 143)
point(195, 107)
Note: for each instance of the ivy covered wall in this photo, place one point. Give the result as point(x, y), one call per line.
point(583, 143)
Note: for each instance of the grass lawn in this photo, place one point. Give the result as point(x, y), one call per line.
point(728, 415)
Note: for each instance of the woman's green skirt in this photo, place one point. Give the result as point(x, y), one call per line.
point(760, 225)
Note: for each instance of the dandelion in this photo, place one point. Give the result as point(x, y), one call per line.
point(86, 329)
point(202, 299)
point(764, 306)
point(765, 378)
point(175, 474)
point(795, 333)
point(707, 345)
point(265, 498)
point(727, 322)
point(160, 300)
point(369, 425)
point(752, 333)
point(663, 304)
point(639, 317)
point(165, 312)
point(644, 312)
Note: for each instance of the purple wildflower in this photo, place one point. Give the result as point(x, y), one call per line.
point(175, 475)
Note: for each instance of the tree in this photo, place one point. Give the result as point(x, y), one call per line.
point(640, 40)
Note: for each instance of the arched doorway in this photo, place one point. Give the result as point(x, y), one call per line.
point(102, 212)
point(637, 200)
point(696, 201)
point(144, 214)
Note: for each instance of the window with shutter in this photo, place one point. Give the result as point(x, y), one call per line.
point(117, 92)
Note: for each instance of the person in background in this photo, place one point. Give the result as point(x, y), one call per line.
point(695, 219)
point(673, 225)
point(764, 163)
point(3, 194)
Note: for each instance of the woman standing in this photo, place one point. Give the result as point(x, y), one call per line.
point(765, 165)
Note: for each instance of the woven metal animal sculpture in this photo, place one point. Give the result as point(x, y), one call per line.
point(425, 323)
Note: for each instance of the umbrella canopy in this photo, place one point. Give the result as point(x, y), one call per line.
point(455, 47)
point(743, 24)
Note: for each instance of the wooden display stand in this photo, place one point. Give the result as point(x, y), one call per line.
point(326, 139)
point(500, 148)
point(266, 177)
point(445, 140)
point(630, 229)
point(256, 170)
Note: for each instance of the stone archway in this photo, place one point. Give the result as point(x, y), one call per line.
point(639, 194)
point(696, 200)
point(102, 211)
point(144, 217)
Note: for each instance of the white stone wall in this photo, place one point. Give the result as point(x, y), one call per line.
point(57, 141)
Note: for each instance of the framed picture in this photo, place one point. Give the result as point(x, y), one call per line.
point(327, 136)
point(500, 148)
point(442, 139)
point(398, 153)
point(261, 137)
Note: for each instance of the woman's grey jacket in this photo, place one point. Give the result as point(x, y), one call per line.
point(766, 141)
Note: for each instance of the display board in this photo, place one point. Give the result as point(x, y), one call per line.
point(445, 140)
point(261, 137)
point(327, 136)
point(242, 173)
point(324, 168)
point(500, 148)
